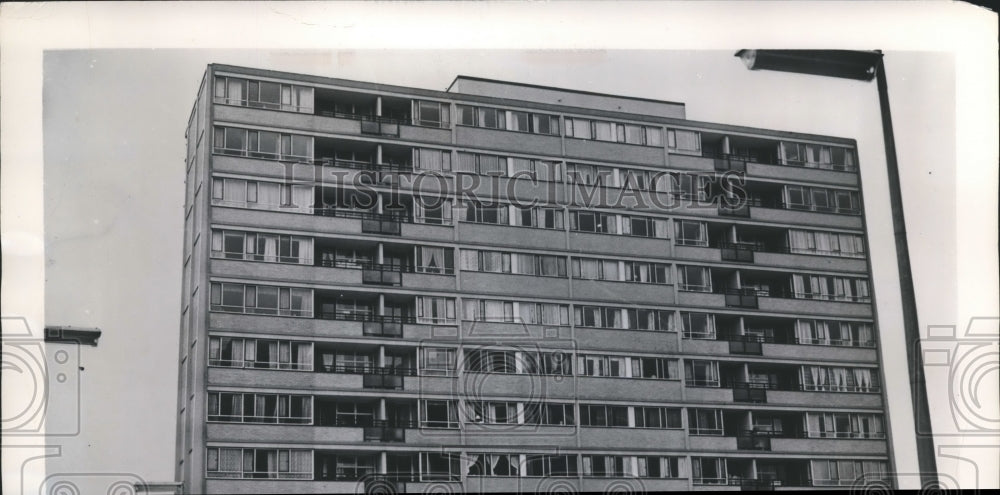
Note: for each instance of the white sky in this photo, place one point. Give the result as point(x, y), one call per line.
point(113, 124)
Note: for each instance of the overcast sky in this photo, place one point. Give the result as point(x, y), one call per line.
point(114, 182)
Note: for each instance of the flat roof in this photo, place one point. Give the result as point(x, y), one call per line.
point(554, 88)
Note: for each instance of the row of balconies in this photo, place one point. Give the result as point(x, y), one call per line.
point(727, 391)
point(758, 159)
point(760, 201)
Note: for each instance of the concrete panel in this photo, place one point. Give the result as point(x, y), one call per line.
point(477, 386)
point(428, 281)
point(524, 437)
point(832, 177)
point(311, 224)
point(698, 253)
point(503, 235)
point(425, 134)
point(806, 218)
point(426, 232)
point(283, 272)
point(514, 285)
point(307, 434)
point(709, 395)
point(282, 486)
point(690, 162)
point(614, 152)
point(704, 299)
point(813, 307)
point(811, 262)
point(598, 339)
point(431, 384)
point(823, 399)
point(631, 438)
point(281, 325)
point(599, 290)
point(588, 243)
point(706, 443)
point(822, 352)
point(519, 334)
point(235, 377)
point(598, 388)
point(523, 142)
point(705, 347)
point(829, 446)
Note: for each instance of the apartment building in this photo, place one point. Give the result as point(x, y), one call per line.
point(509, 287)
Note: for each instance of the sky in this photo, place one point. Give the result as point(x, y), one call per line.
point(111, 122)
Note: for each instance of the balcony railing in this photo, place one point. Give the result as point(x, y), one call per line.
point(362, 214)
point(751, 440)
point(741, 252)
point(367, 370)
point(360, 165)
point(280, 420)
point(740, 298)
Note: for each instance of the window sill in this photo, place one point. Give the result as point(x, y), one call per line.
point(507, 130)
point(595, 140)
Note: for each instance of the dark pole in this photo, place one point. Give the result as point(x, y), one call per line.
point(911, 330)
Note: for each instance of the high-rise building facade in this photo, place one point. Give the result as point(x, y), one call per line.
point(513, 287)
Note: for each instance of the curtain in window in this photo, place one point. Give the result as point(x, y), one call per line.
point(799, 240)
point(865, 336)
point(578, 128)
point(839, 378)
point(528, 312)
point(466, 162)
point(687, 140)
point(470, 260)
point(589, 268)
point(816, 377)
point(268, 246)
point(432, 258)
point(235, 191)
point(230, 460)
point(269, 194)
point(302, 198)
point(862, 378)
point(522, 167)
point(554, 314)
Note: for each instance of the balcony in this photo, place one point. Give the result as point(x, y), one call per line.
point(741, 298)
point(738, 252)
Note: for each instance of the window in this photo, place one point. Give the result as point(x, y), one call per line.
point(543, 313)
point(545, 124)
point(434, 260)
point(658, 417)
point(548, 414)
point(262, 247)
point(836, 333)
point(818, 156)
point(260, 353)
point(259, 408)
point(694, 278)
point(259, 463)
point(649, 319)
point(607, 366)
point(605, 466)
point(692, 233)
point(684, 141)
point(241, 193)
point(539, 217)
point(613, 132)
point(657, 467)
point(839, 379)
point(548, 363)
point(240, 298)
point(698, 373)
point(431, 159)
point(486, 361)
point(551, 465)
point(646, 273)
point(494, 465)
point(689, 186)
point(495, 214)
point(847, 472)
point(435, 310)
point(592, 221)
point(439, 414)
point(830, 288)
point(645, 227)
point(261, 94)
point(844, 425)
point(431, 113)
point(590, 175)
point(597, 269)
point(598, 317)
point(491, 412)
point(698, 326)
point(440, 466)
point(826, 243)
point(654, 368)
point(705, 421)
point(262, 144)
point(432, 211)
point(822, 199)
point(438, 361)
point(708, 471)
point(604, 415)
